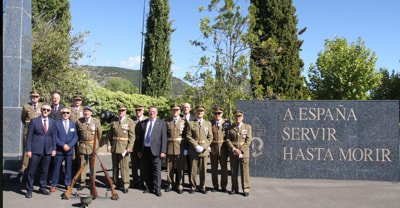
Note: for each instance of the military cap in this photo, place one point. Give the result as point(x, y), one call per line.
point(238, 113)
point(88, 108)
point(175, 106)
point(77, 97)
point(121, 106)
point(199, 108)
point(139, 106)
point(218, 109)
point(35, 93)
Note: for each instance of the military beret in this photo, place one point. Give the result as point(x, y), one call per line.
point(77, 97)
point(139, 106)
point(35, 93)
point(88, 108)
point(218, 109)
point(121, 106)
point(199, 108)
point(175, 106)
point(238, 113)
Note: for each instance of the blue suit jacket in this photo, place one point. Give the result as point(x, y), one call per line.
point(63, 138)
point(39, 142)
point(159, 137)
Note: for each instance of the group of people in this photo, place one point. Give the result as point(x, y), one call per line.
point(138, 146)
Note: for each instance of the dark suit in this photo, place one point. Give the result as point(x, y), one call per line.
point(151, 161)
point(56, 115)
point(63, 138)
point(41, 145)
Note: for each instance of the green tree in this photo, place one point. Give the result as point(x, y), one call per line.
point(222, 74)
point(119, 84)
point(343, 71)
point(275, 60)
point(156, 70)
point(389, 89)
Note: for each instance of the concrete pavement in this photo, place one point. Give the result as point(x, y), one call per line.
point(265, 192)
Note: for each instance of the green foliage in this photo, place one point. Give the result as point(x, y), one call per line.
point(102, 99)
point(389, 89)
point(275, 60)
point(343, 71)
point(222, 74)
point(118, 84)
point(157, 59)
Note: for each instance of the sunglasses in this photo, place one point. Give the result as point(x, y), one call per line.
point(46, 109)
point(120, 110)
point(66, 112)
point(237, 116)
point(217, 113)
point(34, 96)
point(138, 110)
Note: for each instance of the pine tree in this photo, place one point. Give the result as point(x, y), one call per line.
point(157, 75)
point(275, 60)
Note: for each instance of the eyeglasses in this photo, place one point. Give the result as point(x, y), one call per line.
point(121, 110)
point(138, 109)
point(46, 109)
point(65, 112)
point(217, 113)
point(34, 96)
point(238, 116)
point(77, 100)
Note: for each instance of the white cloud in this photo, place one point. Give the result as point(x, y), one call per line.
point(131, 63)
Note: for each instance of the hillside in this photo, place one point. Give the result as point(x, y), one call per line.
point(102, 73)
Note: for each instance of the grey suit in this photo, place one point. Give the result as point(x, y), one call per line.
point(151, 161)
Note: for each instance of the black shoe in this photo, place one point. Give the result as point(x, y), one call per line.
point(233, 192)
point(223, 190)
point(168, 189)
point(28, 195)
point(180, 191)
point(44, 191)
point(125, 191)
point(246, 194)
point(146, 191)
point(191, 191)
point(214, 190)
point(158, 193)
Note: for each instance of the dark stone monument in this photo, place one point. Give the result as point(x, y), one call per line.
point(346, 140)
point(17, 75)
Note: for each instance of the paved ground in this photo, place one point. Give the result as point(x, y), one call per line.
point(265, 192)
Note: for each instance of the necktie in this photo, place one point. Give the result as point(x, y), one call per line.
point(55, 108)
point(200, 122)
point(174, 120)
point(66, 127)
point(45, 125)
point(148, 136)
point(34, 107)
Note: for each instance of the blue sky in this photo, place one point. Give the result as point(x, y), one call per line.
point(115, 29)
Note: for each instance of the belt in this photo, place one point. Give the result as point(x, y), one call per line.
point(175, 140)
point(87, 141)
point(217, 142)
point(120, 138)
point(201, 142)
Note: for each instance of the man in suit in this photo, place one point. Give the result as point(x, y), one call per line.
point(187, 117)
point(137, 171)
point(199, 137)
point(67, 137)
point(175, 157)
point(56, 107)
point(219, 150)
point(238, 139)
point(29, 111)
point(40, 147)
point(121, 136)
point(87, 127)
point(153, 143)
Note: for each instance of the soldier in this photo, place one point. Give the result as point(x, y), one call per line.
point(137, 171)
point(238, 139)
point(199, 137)
point(29, 111)
point(219, 150)
point(87, 127)
point(56, 107)
point(76, 113)
point(76, 108)
point(121, 137)
point(175, 157)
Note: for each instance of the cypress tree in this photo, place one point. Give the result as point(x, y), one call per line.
point(275, 60)
point(156, 70)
